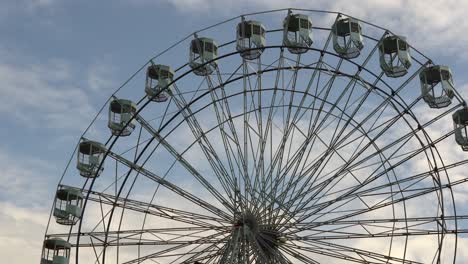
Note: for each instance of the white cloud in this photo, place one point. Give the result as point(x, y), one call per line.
point(12, 7)
point(100, 77)
point(21, 232)
point(39, 3)
point(41, 95)
point(50, 94)
point(26, 197)
point(24, 179)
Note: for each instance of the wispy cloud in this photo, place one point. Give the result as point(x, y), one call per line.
point(32, 4)
point(42, 95)
point(25, 199)
point(99, 77)
point(51, 94)
point(10, 8)
point(27, 176)
point(21, 232)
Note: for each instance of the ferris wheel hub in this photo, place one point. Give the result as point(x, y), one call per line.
point(262, 235)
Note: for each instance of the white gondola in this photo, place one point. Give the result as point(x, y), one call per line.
point(55, 251)
point(158, 77)
point(460, 121)
point(68, 204)
point(90, 155)
point(203, 54)
point(121, 112)
point(437, 86)
point(395, 58)
point(297, 33)
point(250, 40)
point(347, 37)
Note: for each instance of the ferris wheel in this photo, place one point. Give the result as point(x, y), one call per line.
point(311, 137)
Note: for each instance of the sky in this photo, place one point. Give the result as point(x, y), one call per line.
point(61, 59)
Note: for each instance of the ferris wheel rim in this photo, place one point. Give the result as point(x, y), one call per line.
point(232, 54)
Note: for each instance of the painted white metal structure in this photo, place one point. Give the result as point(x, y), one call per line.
point(288, 152)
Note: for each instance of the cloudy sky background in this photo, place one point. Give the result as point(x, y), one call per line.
point(61, 59)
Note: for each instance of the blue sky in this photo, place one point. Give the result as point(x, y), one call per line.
point(61, 59)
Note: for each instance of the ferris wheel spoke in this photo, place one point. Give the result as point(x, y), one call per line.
point(300, 195)
point(245, 128)
point(210, 240)
point(157, 210)
point(228, 114)
point(195, 252)
point(314, 164)
point(366, 227)
point(278, 156)
point(291, 183)
point(332, 203)
point(260, 131)
point(348, 166)
point(249, 102)
point(382, 222)
point(410, 233)
point(179, 157)
point(174, 188)
point(372, 113)
point(250, 137)
point(231, 248)
point(323, 121)
point(316, 70)
point(347, 196)
point(287, 128)
point(225, 180)
point(179, 235)
point(349, 253)
point(210, 153)
point(295, 178)
point(384, 104)
point(407, 180)
point(223, 115)
point(326, 157)
point(403, 138)
point(203, 256)
point(412, 195)
point(259, 171)
point(371, 177)
point(240, 160)
point(292, 83)
point(263, 128)
point(297, 255)
point(269, 128)
point(297, 115)
point(292, 119)
point(155, 255)
point(329, 252)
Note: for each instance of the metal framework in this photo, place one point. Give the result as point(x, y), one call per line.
point(269, 153)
